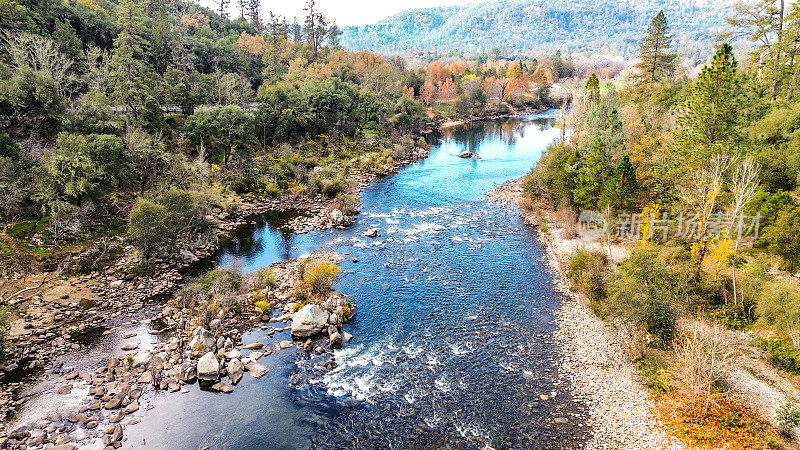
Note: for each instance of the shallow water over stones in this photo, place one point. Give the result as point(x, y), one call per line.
point(452, 343)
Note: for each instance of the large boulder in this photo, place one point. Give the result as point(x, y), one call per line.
point(235, 371)
point(202, 339)
point(208, 367)
point(309, 321)
point(337, 217)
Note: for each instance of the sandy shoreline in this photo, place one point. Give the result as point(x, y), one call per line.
point(621, 410)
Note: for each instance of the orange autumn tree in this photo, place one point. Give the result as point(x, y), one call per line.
point(252, 45)
point(436, 72)
point(428, 93)
point(447, 90)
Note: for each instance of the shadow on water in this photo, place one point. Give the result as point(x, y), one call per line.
point(453, 341)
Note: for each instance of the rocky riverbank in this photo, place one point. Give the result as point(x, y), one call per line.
point(621, 410)
point(109, 396)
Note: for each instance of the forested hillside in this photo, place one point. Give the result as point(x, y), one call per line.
point(131, 121)
point(517, 26)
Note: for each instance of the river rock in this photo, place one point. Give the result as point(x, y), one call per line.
point(337, 217)
point(188, 373)
point(309, 321)
point(468, 154)
point(142, 359)
point(202, 339)
point(233, 354)
point(372, 232)
point(208, 367)
point(256, 370)
point(221, 387)
point(235, 371)
point(253, 346)
point(335, 340)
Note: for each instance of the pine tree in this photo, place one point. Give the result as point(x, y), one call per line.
point(297, 32)
point(656, 61)
point(593, 88)
point(620, 193)
point(223, 8)
point(254, 13)
point(774, 51)
point(129, 72)
point(590, 178)
point(712, 114)
point(333, 36)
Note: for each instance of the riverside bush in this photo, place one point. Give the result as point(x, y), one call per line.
point(347, 203)
point(220, 281)
point(642, 294)
point(653, 367)
point(587, 271)
point(159, 223)
point(263, 306)
point(788, 417)
point(319, 277)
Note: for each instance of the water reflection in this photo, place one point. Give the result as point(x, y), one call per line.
point(453, 340)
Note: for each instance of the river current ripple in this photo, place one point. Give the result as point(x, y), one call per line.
point(453, 342)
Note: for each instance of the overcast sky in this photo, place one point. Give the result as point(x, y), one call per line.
point(345, 12)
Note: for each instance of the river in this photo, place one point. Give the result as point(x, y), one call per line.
point(453, 341)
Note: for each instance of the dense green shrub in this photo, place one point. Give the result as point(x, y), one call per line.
point(553, 175)
point(319, 277)
point(220, 281)
point(654, 369)
point(788, 417)
point(644, 293)
point(783, 236)
point(779, 306)
point(347, 203)
point(783, 356)
point(161, 223)
point(587, 271)
point(148, 226)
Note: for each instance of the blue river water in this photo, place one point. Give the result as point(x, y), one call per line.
point(453, 341)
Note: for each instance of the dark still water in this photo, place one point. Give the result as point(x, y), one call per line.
point(453, 339)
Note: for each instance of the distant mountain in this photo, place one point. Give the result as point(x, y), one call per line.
point(519, 26)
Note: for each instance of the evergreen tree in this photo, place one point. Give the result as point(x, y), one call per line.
point(593, 87)
point(223, 8)
point(656, 63)
point(297, 32)
point(712, 115)
point(590, 178)
point(333, 36)
point(774, 37)
point(254, 13)
point(620, 193)
point(69, 43)
point(129, 72)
